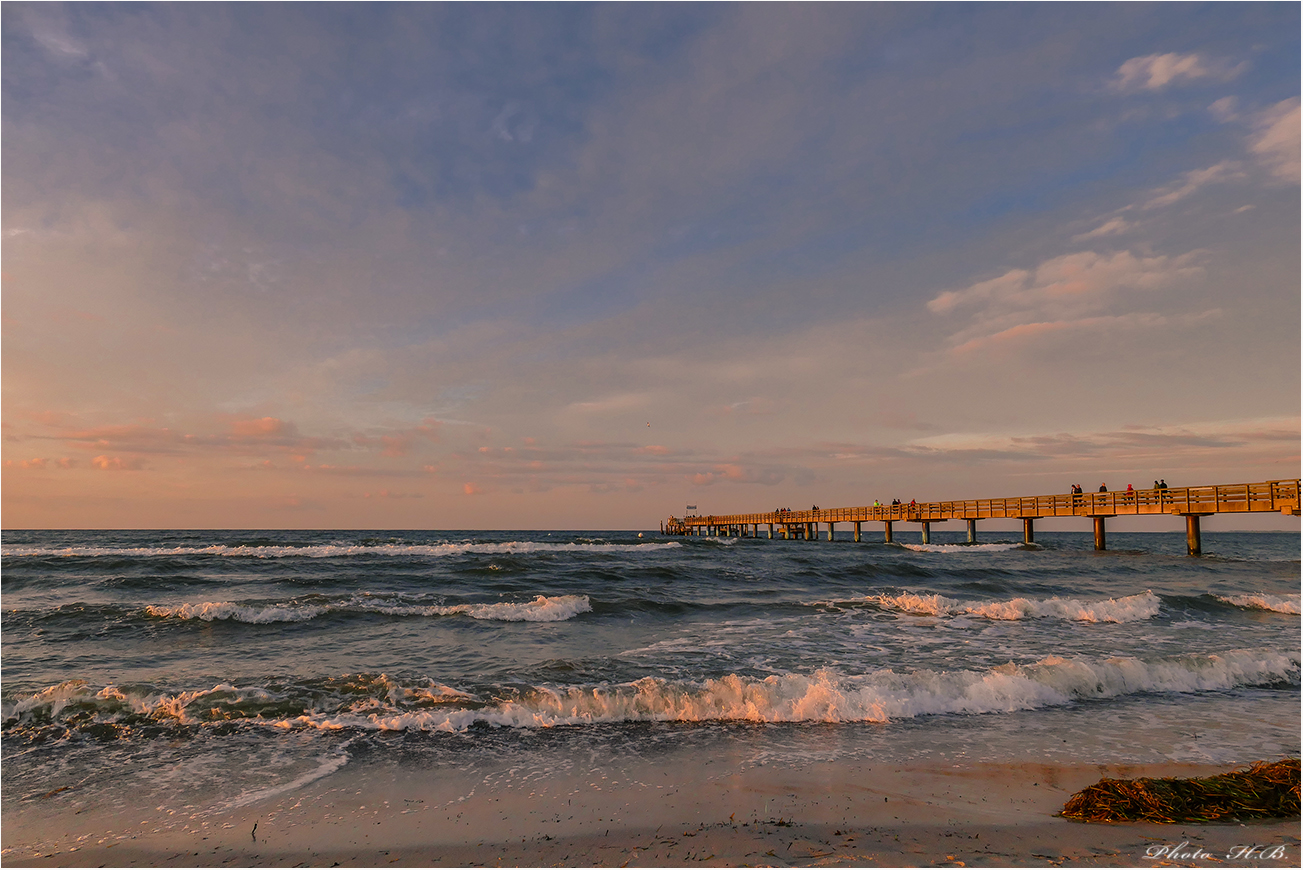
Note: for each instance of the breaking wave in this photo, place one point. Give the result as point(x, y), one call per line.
point(1263, 601)
point(966, 548)
point(540, 609)
point(380, 703)
point(1131, 608)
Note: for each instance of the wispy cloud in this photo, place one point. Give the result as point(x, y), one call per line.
point(1111, 227)
point(1154, 72)
point(1066, 292)
point(1193, 181)
point(1275, 139)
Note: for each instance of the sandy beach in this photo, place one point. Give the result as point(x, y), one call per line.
point(691, 811)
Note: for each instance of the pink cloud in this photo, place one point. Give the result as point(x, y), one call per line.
point(26, 463)
point(402, 441)
point(40, 462)
point(1196, 179)
point(1156, 71)
point(116, 463)
point(1276, 139)
point(1074, 289)
point(263, 427)
point(736, 473)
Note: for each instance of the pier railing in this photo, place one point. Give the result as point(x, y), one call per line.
point(1192, 502)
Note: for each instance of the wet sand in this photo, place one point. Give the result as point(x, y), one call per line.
point(693, 811)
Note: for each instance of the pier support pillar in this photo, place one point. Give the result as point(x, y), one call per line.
point(830, 531)
point(972, 531)
point(1099, 533)
point(927, 533)
point(1192, 541)
point(771, 531)
point(1027, 532)
point(886, 532)
point(811, 531)
point(857, 533)
point(785, 531)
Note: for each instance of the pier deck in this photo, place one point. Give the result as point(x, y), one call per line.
point(1191, 502)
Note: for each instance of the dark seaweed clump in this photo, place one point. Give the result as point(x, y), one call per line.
point(1264, 791)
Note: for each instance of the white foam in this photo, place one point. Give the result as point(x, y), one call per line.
point(211, 611)
point(541, 609)
point(969, 549)
point(1128, 609)
point(328, 766)
point(1288, 603)
point(823, 696)
point(330, 551)
point(827, 696)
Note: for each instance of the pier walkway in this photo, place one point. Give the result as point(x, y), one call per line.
point(1191, 502)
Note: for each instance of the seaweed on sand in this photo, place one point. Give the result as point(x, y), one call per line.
point(1264, 791)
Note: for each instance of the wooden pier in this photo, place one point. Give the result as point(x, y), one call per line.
point(1191, 502)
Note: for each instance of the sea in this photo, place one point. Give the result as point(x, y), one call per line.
point(192, 672)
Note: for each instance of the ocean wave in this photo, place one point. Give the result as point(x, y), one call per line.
point(826, 696)
point(75, 703)
point(541, 609)
point(1131, 608)
point(966, 548)
point(1288, 603)
point(332, 551)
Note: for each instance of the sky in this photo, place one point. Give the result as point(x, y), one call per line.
point(582, 265)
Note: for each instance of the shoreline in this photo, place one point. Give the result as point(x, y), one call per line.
point(690, 809)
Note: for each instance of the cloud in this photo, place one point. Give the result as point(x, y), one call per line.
point(1067, 292)
point(255, 429)
point(1196, 179)
point(1275, 140)
point(116, 463)
point(26, 463)
point(1111, 227)
point(1183, 446)
point(1084, 324)
point(1154, 72)
point(1225, 110)
point(733, 472)
point(1136, 442)
point(1072, 280)
point(611, 404)
point(757, 406)
point(401, 442)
